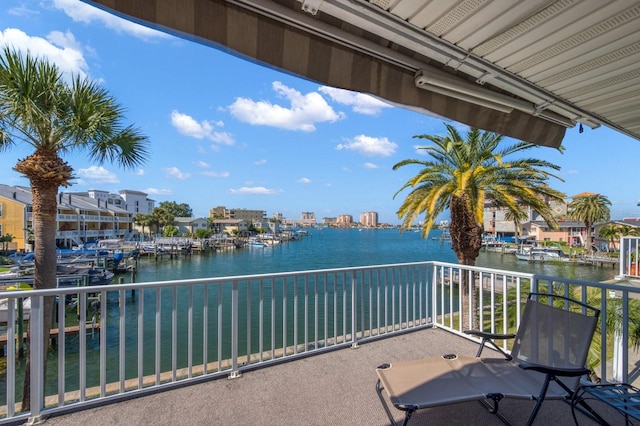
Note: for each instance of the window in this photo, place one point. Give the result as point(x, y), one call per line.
point(0, 209)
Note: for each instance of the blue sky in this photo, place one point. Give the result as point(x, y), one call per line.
point(225, 131)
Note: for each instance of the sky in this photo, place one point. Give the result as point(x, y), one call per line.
point(225, 131)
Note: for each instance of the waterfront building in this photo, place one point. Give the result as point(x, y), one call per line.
point(187, 226)
point(308, 219)
point(230, 226)
point(221, 212)
point(15, 214)
point(344, 220)
point(369, 219)
point(132, 201)
point(137, 202)
point(329, 220)
point(80, 218)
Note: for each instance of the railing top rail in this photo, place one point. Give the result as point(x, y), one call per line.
point(210, 280)
point(277, 275)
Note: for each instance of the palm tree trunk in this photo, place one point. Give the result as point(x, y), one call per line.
point(466, 240)
point(44, 223)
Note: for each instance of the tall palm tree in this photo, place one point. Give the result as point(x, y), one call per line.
point(589, 209)
point(39, 108)
point(517, 216)
point(143, 220)
point(461, 174)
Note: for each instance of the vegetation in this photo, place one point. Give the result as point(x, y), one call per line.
point(144, 221)
point(462, 175)
point(589, 209)
point(164, 215)
point(593, 298)
point(40, 108)
point(5, 240)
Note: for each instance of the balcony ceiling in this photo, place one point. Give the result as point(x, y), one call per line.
point(527, 69)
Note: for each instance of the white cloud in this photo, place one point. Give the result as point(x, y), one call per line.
point(368, 145)
point(202, 164)
point(260, 162)
point(304, 180)
point(156, 191)
point(176, 173)
point(216, 174)
point(188, 126)
point(370, 166)
point(98, 174)
point(359, 102)
point(140, 172)
point(255, 190)
point(82, 12)
point(59, 48)
point(302, 113)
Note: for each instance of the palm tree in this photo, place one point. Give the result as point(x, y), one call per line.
point(6, 239)
point(516, 216)
point(39, 108)
point(589, 209)
point(143, 220)
point(462, 174)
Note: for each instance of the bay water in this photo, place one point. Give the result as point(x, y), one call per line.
point(319, 249)
point(338, 248)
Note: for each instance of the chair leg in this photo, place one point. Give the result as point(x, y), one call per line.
point(540, 399)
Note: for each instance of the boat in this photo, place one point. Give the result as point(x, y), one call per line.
point(4, 308)
point(68, 275)
point(256, 243)
point(542, 254)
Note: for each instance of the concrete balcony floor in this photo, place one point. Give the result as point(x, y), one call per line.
point(334, 388)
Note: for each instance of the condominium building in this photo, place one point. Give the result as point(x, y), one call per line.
point(308, 219)
point(80, 218)
point(250, 216)
point(132, 201)
point(344, 219)
point(369, 219)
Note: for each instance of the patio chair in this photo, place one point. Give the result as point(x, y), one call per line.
point(546, 362)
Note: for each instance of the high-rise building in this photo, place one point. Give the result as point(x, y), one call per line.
point(344, 220)
point(369, 219)
point(308, 219)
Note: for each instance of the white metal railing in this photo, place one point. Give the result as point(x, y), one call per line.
point(630, 257)
point(136, 338)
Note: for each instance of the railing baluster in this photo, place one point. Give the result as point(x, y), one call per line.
point(349, 306)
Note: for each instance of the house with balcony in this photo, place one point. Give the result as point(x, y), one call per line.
point(230, 226)
point(80, 218)
point(15, 209)
point(187, 226)
point(571, 232)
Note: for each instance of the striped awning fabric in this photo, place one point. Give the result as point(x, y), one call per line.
point(335, 54)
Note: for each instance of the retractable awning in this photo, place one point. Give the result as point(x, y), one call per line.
point(528, 70)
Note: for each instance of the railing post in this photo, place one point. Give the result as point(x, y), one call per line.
point(354, 314)
point(36, 358)
point(235, 373)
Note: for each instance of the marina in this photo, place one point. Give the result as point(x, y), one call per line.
point(176, 315)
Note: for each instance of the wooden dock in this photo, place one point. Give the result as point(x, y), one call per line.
point(53, 335)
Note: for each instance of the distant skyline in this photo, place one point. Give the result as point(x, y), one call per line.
point(226, 131)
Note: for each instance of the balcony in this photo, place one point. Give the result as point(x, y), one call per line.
point(334, 325)
point(630, 258)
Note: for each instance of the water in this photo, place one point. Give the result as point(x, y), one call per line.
point(337, 248)
point(321, 249)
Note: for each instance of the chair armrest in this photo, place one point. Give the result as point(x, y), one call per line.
point(489, 338)
point(563, 372)
point(486, 335)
